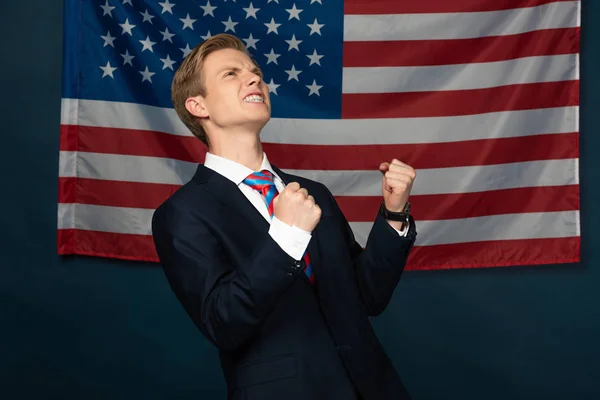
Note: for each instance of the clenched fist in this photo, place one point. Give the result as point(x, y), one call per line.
point(295, 206)
point(396, 184)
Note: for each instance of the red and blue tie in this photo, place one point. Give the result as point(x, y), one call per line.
point(263, 183)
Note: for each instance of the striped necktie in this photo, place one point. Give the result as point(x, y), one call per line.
point(263, 183)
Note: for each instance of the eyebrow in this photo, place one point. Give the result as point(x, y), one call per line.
point(254, 69)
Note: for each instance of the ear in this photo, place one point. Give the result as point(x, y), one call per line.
point(196, 106)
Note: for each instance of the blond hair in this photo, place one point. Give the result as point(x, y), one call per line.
point(189, 81)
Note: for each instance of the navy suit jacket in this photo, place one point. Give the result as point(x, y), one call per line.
point(279, 336)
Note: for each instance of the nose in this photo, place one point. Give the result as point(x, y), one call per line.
point(254, 79)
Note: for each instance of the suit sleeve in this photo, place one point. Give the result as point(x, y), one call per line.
point(379, 266)
point(227, 304)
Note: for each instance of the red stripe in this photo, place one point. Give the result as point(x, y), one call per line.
point(69, 137)
point(463, 255)
point(140, 143)
point(495, 254)
point(424, 155)
point(115, 193)
point(436, 6)
point(105, 244)
point(466, 205)
point(341, 157)
point(461, 102)
point(355, 208)
point(461, 51)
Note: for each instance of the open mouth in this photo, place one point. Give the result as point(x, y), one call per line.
point(254, 98)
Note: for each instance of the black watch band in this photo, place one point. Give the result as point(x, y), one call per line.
point(395, 216)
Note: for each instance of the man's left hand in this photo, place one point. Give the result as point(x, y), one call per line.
point(396, 184)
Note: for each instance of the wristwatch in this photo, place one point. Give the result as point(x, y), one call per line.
point(395, 216)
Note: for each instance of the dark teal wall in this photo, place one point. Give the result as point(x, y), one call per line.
point(98, 329)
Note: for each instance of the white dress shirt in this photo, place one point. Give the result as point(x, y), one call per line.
point(291, 239)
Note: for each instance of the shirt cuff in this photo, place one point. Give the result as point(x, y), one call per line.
point(291, 239)
point(404, 231)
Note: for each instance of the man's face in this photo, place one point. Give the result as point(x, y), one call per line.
point(236, 95)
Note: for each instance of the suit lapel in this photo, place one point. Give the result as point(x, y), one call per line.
point(230, 195)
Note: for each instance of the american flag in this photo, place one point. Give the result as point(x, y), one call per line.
point(481, 97)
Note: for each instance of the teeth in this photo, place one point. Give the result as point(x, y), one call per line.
point(254, 98)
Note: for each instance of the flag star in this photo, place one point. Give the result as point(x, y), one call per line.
point(147, 44)
point(272, 86)
point(272, 27)
point(147, 75)
point(186, 51)
point(294, 12)
point(315, 58)
point(107, 9)
point(167, 35)
point(251, 11)
point(127, 2)
point(315, 1)
point(229, 24)
point(251, 42)
point(108, 40)
point(127, 27)
point(108, 70)
point(167, 7)
point(293, 73)
point(187, 22)
point(208, 9)
point(276, 1)
point(167, 63)
point(208, 35)
point(314, 88)
point(272, 57)
point(293, 43)
point(127, 58)
point(147, 16)
point(315, 27)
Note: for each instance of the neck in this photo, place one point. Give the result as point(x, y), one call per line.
point(244, 148)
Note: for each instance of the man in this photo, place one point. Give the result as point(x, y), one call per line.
point(265, 262)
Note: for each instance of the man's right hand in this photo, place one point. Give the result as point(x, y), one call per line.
point(294, 206)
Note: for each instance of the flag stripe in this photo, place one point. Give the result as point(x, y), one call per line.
point(441, 26)
point(464, 205)
point(486, 228)
point(137, 221)
point(461, 255)
point(461, 76)
point(107, 244)
point(339, 132)
point(460, 51)
point(436, 6)
point(355, 208)
point(461, 102)
point(346, 182)
point(495, 253)
point(339, 157)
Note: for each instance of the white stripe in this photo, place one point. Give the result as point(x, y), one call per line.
point(495, 227)
point(460, 25)
point(107, 219)
point(460, 76)
point(118, 167)
point(340, 132)
point(124, 115)
point(453, 180)
point(346, 183)
point(67, 164)
point(66, 216)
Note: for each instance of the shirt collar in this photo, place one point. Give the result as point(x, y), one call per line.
point(232, 170)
